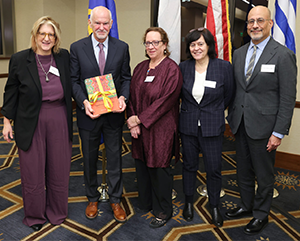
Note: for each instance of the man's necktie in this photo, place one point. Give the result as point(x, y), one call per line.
point(101, 58)
point(251, 64)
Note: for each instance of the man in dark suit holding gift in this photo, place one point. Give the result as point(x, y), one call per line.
point(100, 54)
point(266, 74)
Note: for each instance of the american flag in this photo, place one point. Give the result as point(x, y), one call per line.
point(217, 22)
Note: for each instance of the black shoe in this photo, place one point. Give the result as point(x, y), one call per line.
point(216, 217)
point(188, 212)
point(36, 227)
point(237, 213)
point(157, 223)
point(255, 226)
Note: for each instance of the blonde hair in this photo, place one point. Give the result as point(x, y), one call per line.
point(35, 30)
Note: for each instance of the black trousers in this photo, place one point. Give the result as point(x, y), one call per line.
point(155, 189)
point(211, 148)
point(254, 162)
point(90, 141)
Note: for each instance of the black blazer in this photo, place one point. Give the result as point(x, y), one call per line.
point(215, 100)
point(23, 94)
point(83, 65)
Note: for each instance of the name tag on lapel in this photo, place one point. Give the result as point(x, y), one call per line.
point(210, 84)
point(149, 79)
point(267, 68)
point(54, 71)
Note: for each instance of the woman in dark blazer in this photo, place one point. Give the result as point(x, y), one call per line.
point(38, 100)
point(207, 90)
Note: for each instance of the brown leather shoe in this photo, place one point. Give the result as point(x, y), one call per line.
point(91, 210)
point(119, 213)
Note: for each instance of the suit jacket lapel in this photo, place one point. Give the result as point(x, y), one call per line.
point(266, 55)
point(191, 70)
point(89, 51)
point(112, 50)
point(191, 77)
point(241, 65)
point(32, 67)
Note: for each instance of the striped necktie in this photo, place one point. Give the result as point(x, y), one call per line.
point(251, 64)
point(101, 58)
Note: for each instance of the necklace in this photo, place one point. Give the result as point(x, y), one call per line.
point(47, 79)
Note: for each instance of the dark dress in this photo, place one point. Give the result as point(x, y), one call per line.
point(156, 104)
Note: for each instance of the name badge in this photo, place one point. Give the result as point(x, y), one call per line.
point(149, 78)
point(54, 71)
point(210, 84)
point(267, 68)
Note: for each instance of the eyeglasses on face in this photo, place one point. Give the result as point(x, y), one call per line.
point(155, 43)
point(194, 45)
point(259, 21)
point(50, 35)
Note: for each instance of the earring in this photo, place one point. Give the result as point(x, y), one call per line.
point(165, 51)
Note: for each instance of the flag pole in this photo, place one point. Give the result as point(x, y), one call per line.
point(154, 12)
point(231, 17)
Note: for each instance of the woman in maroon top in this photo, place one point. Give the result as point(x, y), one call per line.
point(153, 111)
point(38, 99)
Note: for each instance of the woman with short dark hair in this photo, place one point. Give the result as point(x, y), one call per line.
point(208, 87)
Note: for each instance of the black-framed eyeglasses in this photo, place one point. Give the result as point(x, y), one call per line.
point(50, 35)
point(155, 43)
point(259, 21)
point(198, 29)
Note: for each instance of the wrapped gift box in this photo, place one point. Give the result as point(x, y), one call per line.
point(102, 94)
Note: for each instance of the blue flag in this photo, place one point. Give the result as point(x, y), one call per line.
point(110, 4)
point(284, 28)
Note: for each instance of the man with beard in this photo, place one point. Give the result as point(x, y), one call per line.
point(266, 74)
point(95, 55)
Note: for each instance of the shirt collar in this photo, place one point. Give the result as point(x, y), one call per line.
point(95, 42)
point(261, 45)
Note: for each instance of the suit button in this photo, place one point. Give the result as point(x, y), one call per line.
point(242, 106)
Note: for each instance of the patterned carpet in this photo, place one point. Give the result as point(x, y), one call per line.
point(284, 223)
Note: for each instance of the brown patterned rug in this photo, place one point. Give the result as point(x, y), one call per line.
point(283, 221)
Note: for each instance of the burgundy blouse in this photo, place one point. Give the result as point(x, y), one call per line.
point(52, 90)
point(157, 105)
